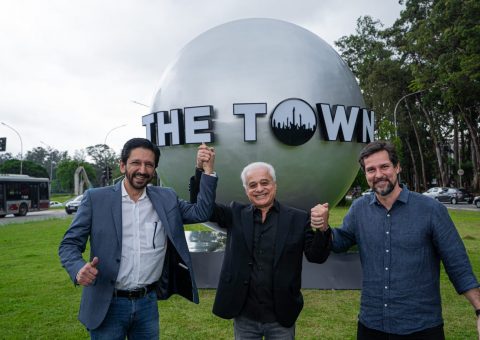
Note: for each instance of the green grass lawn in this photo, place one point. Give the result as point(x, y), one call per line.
point(38, 300)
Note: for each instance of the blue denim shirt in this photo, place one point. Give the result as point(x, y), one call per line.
point(400, 251)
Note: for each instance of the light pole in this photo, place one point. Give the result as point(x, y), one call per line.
point(117, 127)
point(105, 143)
point(21, 146)
point(51, 160)
point(395, 110)
point(138, 103)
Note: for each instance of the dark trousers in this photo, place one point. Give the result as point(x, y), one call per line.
point(365, 333)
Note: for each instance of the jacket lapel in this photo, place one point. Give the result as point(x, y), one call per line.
point(284, 223)
point(155, 196)
point(117, 211)
point(247, 226)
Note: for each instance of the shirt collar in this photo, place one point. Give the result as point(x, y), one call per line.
point(403, 197)
point(125, 193)
point(274, 207)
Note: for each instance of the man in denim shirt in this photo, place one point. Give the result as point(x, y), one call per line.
point(402, 236)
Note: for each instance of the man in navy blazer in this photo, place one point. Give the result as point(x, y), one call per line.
point(260, 280)
point(138, 250)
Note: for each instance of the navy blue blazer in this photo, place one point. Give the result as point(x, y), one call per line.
point(99, 219)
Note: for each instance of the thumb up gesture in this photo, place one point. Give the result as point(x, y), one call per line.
point(88, 273)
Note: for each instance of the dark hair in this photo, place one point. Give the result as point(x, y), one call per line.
point(375, 147)
point(139, 143)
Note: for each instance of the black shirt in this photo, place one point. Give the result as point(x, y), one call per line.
point(259, 304)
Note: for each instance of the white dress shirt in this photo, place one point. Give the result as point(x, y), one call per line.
point(143, 243)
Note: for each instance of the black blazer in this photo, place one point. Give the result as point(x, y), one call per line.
point(294, 237)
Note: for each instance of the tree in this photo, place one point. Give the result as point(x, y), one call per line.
point(66, 170)
point(104, 157)
point(5, 157)
point(48, 158)
point(12, 166)
point(442, 40)
point(433, 49)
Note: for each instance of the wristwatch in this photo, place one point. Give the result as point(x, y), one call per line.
point(477, 312)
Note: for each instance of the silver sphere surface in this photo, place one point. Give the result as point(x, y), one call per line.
point(261, 61)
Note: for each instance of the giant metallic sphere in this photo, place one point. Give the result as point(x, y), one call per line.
point(261, 61)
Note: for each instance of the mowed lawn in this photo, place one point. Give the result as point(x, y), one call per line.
point(38, 300)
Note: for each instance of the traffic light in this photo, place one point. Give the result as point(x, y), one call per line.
point(104, 176)
point(109, 173)
point(3, 143)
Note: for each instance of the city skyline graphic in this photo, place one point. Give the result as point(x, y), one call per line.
point(293, 122)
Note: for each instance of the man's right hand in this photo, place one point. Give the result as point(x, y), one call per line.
point(205, 158)
point(88, 273)
point(319, 217)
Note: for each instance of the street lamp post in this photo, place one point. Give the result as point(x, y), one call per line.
point(395, 110)
point(21, 146)
point(105, 143)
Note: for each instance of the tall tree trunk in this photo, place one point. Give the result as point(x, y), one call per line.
point(436, 144)
point(475, 150)
point(420, 151)
point(456, 151)
point(414, 166)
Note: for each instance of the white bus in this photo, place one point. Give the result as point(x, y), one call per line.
point(20, 194)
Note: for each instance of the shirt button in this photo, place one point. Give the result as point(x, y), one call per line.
point(386, 305)
point(388, 215)
point(386, 287)
point(245, 282)
point(387, 250)
point(386, 268)
point(388, 232)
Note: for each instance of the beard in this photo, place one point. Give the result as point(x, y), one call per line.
point(138, 180)
point(388, 189)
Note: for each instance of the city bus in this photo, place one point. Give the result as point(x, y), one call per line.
point(20, 194)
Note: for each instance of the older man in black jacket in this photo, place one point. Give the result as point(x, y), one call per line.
point(260, 280)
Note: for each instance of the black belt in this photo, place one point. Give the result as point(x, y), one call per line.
point(134, 294)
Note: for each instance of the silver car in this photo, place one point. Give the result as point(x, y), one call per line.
point(433, 192)
point(72, 206)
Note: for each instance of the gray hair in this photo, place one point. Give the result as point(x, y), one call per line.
point(256, 165)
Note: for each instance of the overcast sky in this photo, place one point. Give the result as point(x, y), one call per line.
point(70, 70)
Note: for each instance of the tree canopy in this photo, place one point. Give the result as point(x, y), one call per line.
point(422, 78)
point(12, 166)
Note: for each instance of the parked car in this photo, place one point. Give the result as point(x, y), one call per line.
point(367, 192)
point(54, 204)
point(433, 192)
point(72, 205)
point(454, 196)
point(476, 201)
point(354, 193)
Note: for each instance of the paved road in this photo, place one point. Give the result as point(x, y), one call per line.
point(60, 213)
point(34, 216)
point(461, 206)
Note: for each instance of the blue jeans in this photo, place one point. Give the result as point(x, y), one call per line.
point(247, 329)
point(131, 318)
